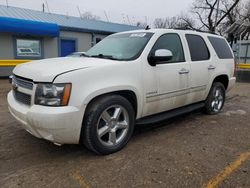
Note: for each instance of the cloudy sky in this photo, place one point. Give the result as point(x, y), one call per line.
point(117, 10)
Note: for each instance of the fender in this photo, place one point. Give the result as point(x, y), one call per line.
point(107, 90)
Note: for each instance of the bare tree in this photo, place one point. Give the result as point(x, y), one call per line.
point(175, 22)
point(211, 13)
point(160, 23)
point(141, 24)
point(89, 16)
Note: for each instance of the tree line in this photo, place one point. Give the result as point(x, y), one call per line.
point(214, 16)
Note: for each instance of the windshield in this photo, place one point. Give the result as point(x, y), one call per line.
point(128, 46)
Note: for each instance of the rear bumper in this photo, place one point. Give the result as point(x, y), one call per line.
point(231, 83)
point(60, 125)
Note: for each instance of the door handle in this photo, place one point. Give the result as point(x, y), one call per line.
point(183, 71)
point(211, 67)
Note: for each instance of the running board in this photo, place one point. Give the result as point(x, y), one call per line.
point(170, 114)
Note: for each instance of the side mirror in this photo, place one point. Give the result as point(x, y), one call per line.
point(160, 56)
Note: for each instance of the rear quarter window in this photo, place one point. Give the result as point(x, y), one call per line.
point(197, 47)
point(221, 47)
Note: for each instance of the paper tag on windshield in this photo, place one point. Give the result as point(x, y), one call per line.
point(138, 35)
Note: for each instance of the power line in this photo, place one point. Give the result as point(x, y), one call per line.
point(106, 15)
point(79, 12)
point(47, 6)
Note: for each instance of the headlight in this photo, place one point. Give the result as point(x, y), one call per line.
point(52, 94)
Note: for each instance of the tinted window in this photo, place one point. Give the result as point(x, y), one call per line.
point(173, 43)
point(197, 47)
point(221, 48)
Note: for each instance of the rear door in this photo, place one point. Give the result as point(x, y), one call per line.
point(202, 67)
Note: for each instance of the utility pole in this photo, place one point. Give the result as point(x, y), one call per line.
point(7, 3)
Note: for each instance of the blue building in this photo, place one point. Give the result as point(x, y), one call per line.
point(28, 35)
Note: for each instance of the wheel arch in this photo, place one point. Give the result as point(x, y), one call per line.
point(223, 78)
point(128, 94)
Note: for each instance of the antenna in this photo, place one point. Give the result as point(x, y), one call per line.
point(106, 15)
point(80, 14)
point(67, 15)
point(133, 20)
point(43, 7)
point(123, 17)
point(128, 20)
point(146, 19)
point(47, 6)
point(7, 3)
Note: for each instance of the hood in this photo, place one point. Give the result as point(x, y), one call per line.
point(46, 70)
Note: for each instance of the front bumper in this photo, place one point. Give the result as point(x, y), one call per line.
point(60, 125)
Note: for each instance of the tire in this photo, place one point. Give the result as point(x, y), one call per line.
point(108, 124)
point(216, 98)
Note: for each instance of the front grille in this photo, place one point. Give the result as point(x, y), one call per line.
point(22, 82)
point(22, 97)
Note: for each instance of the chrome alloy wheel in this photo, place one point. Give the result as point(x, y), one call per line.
point(218, 100)
point(113, 125)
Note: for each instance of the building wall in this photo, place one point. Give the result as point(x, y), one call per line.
point(242, 51)
point(6, 46)
point(50, 46)
point(83, 40)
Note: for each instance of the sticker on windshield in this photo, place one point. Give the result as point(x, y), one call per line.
point(138, 35)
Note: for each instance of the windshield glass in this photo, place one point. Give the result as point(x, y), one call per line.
point(127, 46)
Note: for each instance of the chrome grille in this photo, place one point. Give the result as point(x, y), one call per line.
point(22, 97)
point(21, 82)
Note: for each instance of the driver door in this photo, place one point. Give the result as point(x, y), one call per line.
point(171, 77)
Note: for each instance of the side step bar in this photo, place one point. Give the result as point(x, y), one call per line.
point(170, 114)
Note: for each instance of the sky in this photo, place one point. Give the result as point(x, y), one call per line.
point(121, 11)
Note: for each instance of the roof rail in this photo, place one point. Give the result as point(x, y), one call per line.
point(192, 29)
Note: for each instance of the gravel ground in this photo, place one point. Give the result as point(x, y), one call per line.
point(187, 151)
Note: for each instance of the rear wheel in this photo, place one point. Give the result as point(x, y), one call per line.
point(216, 98)
point(108, 124)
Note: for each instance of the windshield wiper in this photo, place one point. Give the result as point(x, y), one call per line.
point(104, 56)
point(84, 55)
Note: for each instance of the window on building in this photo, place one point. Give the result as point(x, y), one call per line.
point(221, 47)
point(197, 47)
point(173, 43)
point(28, 48)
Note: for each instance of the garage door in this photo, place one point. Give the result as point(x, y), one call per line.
point(67, 47)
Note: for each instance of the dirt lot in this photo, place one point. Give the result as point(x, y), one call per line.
point(189, 151)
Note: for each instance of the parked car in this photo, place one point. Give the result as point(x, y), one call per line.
point(132, 77)
point(26, 52)
point(76, 54)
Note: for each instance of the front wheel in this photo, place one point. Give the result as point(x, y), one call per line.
point(216, 98)
point(108, 124)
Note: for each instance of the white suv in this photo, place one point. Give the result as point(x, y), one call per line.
point(128, 78)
